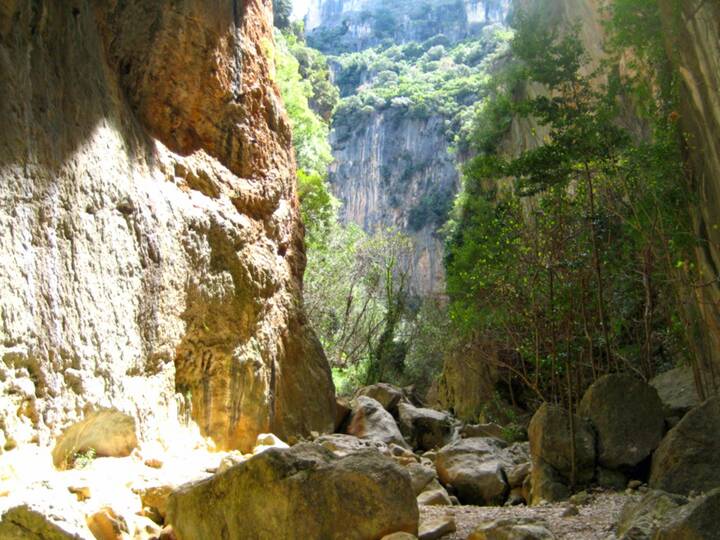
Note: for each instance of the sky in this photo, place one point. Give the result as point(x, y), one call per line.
point(300, 8)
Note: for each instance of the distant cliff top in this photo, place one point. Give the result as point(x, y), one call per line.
point(338, 26)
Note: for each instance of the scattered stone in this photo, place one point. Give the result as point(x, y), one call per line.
point(436, 497)
point(512, 529)
point(81, 492)
point(474, 467)
point(153, 463)
point(435, 528)
point(689, 456)
point(387, 395)
point(314, 494)
point(570, 511)
point(634, 484)
point(107, 433)
point(677, 391)
point(426, 429)
point(580, 499)
point(628, 416)
point(105, 524)
point(369, 420)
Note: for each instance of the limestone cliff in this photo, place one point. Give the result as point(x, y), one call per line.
point(692, 31)
point(153, 253)
point(394, 170)
point(354, 25)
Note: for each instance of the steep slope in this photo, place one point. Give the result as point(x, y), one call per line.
point(150, 231)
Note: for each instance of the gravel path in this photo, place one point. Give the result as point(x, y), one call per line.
point(596, 519)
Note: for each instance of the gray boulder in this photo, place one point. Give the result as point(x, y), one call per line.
point(677, 391)
point(299, 493)
point(628, 417)
point(689, 456)
point(550, 449)
point(475, 469)
point(426, 429)
point(387, 395)
point(369, 420)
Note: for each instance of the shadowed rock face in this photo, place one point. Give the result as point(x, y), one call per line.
point(152, 247)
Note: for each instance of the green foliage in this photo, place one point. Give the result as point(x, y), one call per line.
point(82, 460)
point(565, 253)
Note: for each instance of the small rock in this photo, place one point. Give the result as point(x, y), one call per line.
point(400, 536)
point(434, 528)
point(105, 524)
point(634, 484)
point(436, 497)
point(512, 529)
point(570, 511)
point(482, 430)
point(153, 463)
point(81, 492)
point(265, 441)
point(580, 499)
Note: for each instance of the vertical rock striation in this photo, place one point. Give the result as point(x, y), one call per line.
point(152, 247)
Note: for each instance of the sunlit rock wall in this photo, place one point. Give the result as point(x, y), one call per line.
point(152, 250)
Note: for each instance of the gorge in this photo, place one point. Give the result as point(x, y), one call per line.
point(401, 269)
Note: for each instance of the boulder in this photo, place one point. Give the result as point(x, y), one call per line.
point(628, 417)
point(475, 469)
point(516, 475)
point(426, 429)
point(677, 392)
point(105, 524)
point(342, 412)
point(369, 420)
point(689, 456)
point(546, 484)
point(641, 520)
point(265, 441)
point(435, 497)
point(420, 476)
point(387, 395)
point(697, 520)
point(437, 527)
point(512, 529)
point(44, 514)
point(342, 444)
point(107, 433)
point(303, 492)
point(550, 444)
point(470, 431)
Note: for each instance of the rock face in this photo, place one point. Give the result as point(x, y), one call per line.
point(688, 458)
point(313, 494)
point(150, 231)
point(389, 171)
point(353, 25)
point(692, 31)
point(369, 420)
point(550, 448)
point(628, 417)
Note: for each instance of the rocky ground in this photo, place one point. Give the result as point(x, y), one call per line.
point(595, 520)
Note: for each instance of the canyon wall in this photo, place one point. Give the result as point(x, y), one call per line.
point(152, 248)
point(692, 33)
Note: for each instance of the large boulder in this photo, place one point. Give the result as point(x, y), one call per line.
point(677, 391)
point(689, 456)
point(475, 469)
point(628, 416)
point(550, 443)
point(107, 433)
point(370, 420)
point(43, 514)
point(304, 492)
point(387, 395)
point(665, 516)
point(343, 445)
point(426, 429)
